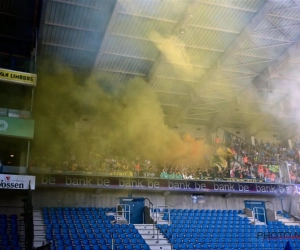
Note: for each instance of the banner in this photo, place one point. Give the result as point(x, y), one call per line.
point(8, 181)
point(156, 184)
point(17, 127)
point(272, 168)
point(18, 77)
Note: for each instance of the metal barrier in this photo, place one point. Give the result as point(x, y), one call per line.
point(165, 209)
point(259, 211)
point(151, 209)
point(125, 211)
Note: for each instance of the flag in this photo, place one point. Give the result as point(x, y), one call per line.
point(288, 246)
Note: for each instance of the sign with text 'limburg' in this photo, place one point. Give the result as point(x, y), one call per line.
point(18, 77)
point(194, 186)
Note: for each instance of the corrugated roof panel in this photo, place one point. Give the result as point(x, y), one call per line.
point(130, 46)
point(77, 16)
point(293, 32)
point(255, 52)
point(194, 122)
point(288, 12)
point(179, 71)
point(231, 74)
point(116, 78)
point(239, 68)
point(82, 59)
point(123, 64)
point(247, 44)
point(277, 50)
point(163, 84)
point(265, 24)
point(230, 60)
point(156, 9)
point(283, 4)
point(262, 41)
point(140, 27)
point(252, 59)
point(220, 17)
point(285, 85)
point(235, 83)
point(70, 37)
point(282, 22)
point(207, 38)
point(259, 66)
point(272, 34)
point(201, 57)
point(206, 116)
point(169, 98)
point(295, 56)
point(245, 4)
point(92, 3)
point(290, 70)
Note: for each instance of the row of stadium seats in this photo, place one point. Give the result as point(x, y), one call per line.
point(89, 229)
point(195, 211)
point(9, 233)
point(213, 230)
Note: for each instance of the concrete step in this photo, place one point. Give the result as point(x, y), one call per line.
point(40, 234)
point(150, 236)
point(160, 244)
point(144, 226)
point(39, 227)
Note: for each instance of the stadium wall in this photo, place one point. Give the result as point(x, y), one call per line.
point(109, 198)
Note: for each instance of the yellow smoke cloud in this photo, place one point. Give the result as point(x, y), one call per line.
point(94, 116)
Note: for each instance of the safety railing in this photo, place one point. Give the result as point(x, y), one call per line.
point(257, 211)
point(151, 209)
point(124, 210)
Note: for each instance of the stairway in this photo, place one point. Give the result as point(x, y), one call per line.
point(154, 238)
point(287, 221)
point(39, 229)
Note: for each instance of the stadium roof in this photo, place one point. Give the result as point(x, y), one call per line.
point(221, 63)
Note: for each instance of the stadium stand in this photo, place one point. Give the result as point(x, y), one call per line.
point(91, 228)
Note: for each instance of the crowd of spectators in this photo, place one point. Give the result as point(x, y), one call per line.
point(233, 159)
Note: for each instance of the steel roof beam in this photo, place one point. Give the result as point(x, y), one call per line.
point(284, 17)
point(282, 27)
point(227, 6)
point(178, 44)
point(121, 72)
point(111, 24)
point(122, 55)
point(266, 47)
point(71, 27)
point(214, 29)
point(189, 65)
point(233, 47)
point(175, 79)
point(148, 17)
point(67, 47)
point(79, 5)
point(259, 123)
point(269, 38)
point(14, 16)
point(170, 92)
